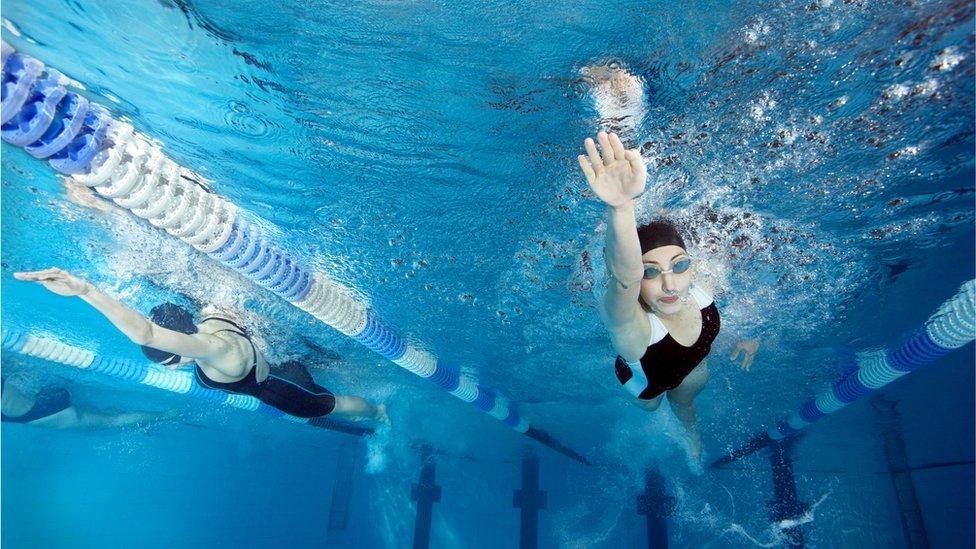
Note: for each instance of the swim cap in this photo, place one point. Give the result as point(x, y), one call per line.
point(658, 233)
point(174, 317)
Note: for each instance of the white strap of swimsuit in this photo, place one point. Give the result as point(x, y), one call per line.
point(702, 298)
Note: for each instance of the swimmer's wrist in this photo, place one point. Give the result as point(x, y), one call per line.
point(627, 207)
point(621, 283)
point(86, 289)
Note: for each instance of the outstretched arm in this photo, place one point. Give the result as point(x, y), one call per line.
point(617, 177)
point(133, 325)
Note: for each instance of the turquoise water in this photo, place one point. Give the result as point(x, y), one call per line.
point(424, 155)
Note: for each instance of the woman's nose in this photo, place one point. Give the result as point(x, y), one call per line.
point(667, 282)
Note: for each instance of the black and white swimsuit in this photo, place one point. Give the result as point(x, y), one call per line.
point(666, 362)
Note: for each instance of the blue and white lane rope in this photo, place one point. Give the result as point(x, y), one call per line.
point(154, 375)
point(950, 327)
point(80, 139)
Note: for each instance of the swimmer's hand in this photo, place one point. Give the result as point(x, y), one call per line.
point(618, 176)
point(56, 280)
point(747, 346)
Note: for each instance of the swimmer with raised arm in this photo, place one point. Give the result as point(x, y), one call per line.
point(661, 323)
point(223, 352)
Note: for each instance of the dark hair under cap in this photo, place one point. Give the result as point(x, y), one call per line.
point(174, 317)
point(658, 233)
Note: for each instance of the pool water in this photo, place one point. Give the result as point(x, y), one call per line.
point(819, 153)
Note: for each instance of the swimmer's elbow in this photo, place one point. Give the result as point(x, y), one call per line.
point(142, 335)
point(629, 346)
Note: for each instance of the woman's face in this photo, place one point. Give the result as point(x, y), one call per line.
point(666, 292)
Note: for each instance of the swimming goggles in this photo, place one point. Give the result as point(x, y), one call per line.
point(652, 271)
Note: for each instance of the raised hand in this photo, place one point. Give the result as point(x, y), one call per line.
point(619, 175)
point(747, 346)
point(56, 280)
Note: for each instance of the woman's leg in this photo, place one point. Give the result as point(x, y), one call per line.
point(682, 399)
point(346, 407)
point(85, 419)
point(358, 408)
point(650, 405)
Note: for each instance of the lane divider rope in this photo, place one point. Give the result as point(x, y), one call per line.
point(952, 326)
point(80, 139)
point(153, 375)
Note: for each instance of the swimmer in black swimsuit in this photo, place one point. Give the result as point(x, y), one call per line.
point(52, 407)
point(662, 325)
point(223, 352)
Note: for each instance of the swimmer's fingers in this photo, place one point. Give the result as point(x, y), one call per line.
point(748, 348)
point(619, 152)
point(636, 161)
point(52, 274)
point(596, 163)
point(587, 169)
point(54, 279)
point(26, 276)
point(606, 148)
point(38, 276)
point(738, 350)
point(752, 346)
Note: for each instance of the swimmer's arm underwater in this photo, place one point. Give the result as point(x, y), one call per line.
point(622, 251)
point(620, 310)
point(133, 325)
point(617, 177)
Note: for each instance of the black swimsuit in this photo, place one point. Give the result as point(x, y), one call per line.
point(666, 363)
point(47, 402)
point(291, 390)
